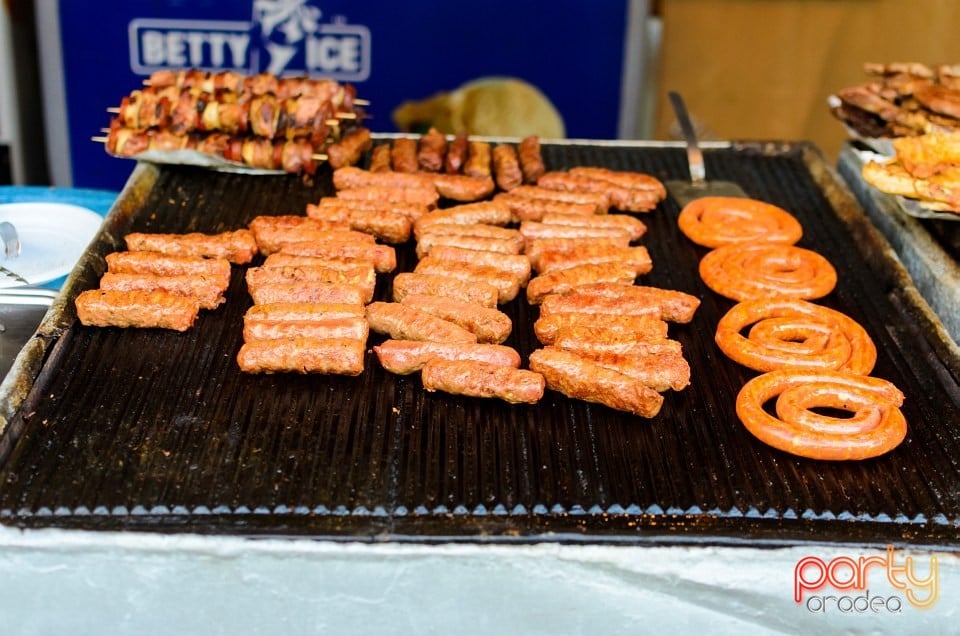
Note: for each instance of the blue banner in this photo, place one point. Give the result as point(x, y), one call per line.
point(391, 51)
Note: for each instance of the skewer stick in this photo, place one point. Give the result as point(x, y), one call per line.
point(320, 157)
point(346, 115)
point(114, 109)
point(100, 140)
point(361, 102)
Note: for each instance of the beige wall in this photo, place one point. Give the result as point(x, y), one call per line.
point(762, 69)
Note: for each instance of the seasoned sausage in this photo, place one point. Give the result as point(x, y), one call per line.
point(482, 379)
point(403, 155)
point(507, 285)
point(580, 378)
point(404, 357)
point(591, 253)
point(406, 323)
point(383, 257)
point(564, 280)
point(478, 160)
point(531, 162)
point(516, 264)
point(216, 269)
point(208, 292)
point(145, 309)
point(323, 328)
point(342, 356)
point(432, 150)
point(406, 284)
point(456, 154)
point(487, 324)
point(237, 247)
point(506, 167)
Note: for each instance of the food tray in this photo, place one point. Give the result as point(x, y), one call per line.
point(109, 429)
point(928, 247)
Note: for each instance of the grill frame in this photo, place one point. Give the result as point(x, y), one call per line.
point(559, 471)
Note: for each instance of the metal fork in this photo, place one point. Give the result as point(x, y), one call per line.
point(11, 249)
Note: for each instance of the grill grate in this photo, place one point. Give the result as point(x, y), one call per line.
point(156, 431)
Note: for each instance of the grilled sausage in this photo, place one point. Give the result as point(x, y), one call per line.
point(482, 379)
point(145, 309)
point(478, 160)
point(403, 155)
point(531, 162)
point(564, 280)
point(323, 328)
point(487, 324)
point(591, 253)
point(216, 269)
point(342, 356)
point(580, 378)
point(432, 150)
point(237, 247)
point(208, 292)
point(406, 284)
point(383, 257)
point(406, 323)
point(507, 285)
point(404, 357)
point(506, 167)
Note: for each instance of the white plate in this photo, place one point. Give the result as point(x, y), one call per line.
point(53, 236)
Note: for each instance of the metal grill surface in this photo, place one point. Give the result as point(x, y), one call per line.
point(141, 429)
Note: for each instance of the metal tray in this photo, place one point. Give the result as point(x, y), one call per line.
point(137, 429)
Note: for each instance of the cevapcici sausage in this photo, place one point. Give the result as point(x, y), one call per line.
point(406, 284)
point(383, 257)
point(237, 247)
point(507, 285)
point(470, 229)
point(406, 323)
point(533, 230)
point(598, 340)
point(531, 162)
point(506, 167)
point(409, 356)
point(478, 160)
point(208, 292)
point(426, 197)
point(279, 259)
point(456, 154)
point(634, 226)
point(589, 253)
point(323, 328)
point(385, 224)
point(362, 276)
point(564, 280)
point(648, 328)
point(216, 269)
point(533, 248)
point(516, 264)
point(430, 240)
point(403, 155)
point(412, 211)
point(599, 200)
point(308, 292)
point(432, 150)
point(342, 356)
point(529, 209)
point(484, 380)
point(487, 324)
point(271, 239)
point(488, 212)
point(292, 312)
point(580, 378)
point(628, 199)
point(348, 150)
point(352, 177)
point(623, 178)
point(461, 187)
point(659, 371)
point(146, 309)
point(674, 306)
point(380, 158)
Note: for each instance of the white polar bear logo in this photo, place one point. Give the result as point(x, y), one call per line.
point(284, 24)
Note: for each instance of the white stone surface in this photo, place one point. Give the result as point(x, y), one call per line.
point(68, 582)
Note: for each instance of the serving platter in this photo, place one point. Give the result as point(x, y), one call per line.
point(113, 429)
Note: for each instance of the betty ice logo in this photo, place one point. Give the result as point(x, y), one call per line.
point(283, 37)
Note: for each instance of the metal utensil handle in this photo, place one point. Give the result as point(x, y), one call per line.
point(698, 172)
